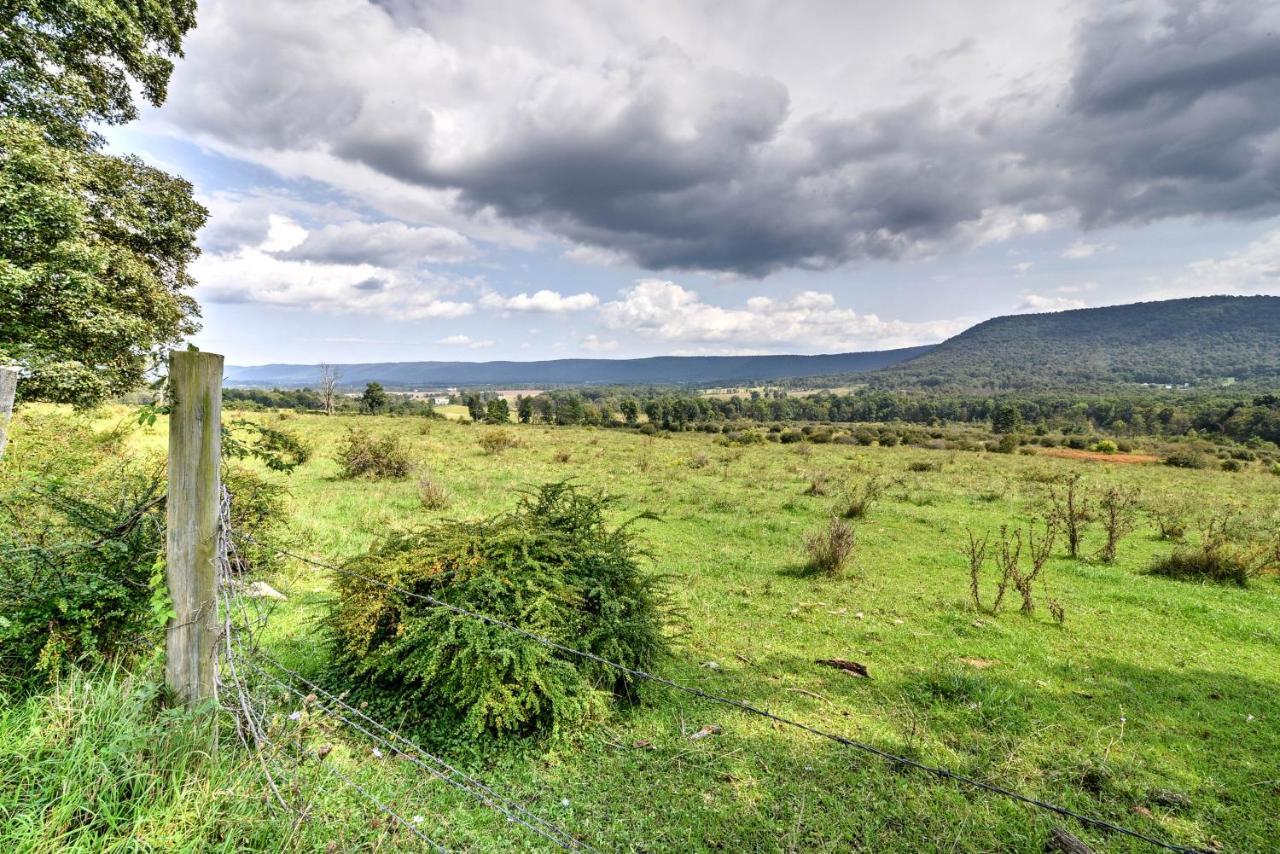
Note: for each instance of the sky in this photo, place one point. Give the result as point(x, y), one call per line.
point(498, 179)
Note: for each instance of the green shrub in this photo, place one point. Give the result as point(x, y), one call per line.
point(1235, 546)
point(494, 442)
point(551, 566)
point(1008, 444)
point(81, 527)
point(1186, 458)
point(1232, 465)
point(1106, 446)
point(361, 454)
point(924, 465)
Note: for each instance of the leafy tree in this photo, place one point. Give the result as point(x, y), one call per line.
point(1006, 418)
point(374, 399)
point(69, 64)
point(630, 411)
point(94, 249)
point(497, 411)
point(475, 407)
point(93, 266)
point(524, 409)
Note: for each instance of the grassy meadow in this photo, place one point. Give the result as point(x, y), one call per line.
point(1155, 704)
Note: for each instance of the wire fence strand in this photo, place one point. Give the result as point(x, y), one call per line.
point(514, 811)
point(893, 758)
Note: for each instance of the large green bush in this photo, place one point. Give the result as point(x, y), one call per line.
point(82, 524)
point(552, 566)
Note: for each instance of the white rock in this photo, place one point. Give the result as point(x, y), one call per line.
point(263, 590)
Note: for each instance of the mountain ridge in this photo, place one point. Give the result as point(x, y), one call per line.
point(652, 370)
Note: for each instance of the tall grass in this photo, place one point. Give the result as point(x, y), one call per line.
point(98, 764)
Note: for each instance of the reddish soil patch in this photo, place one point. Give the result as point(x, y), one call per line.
point(1073, 454)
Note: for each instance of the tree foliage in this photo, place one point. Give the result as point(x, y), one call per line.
point(67, 64)
point(93, 266)
point(94, 248)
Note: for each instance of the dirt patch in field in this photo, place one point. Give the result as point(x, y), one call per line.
point(1073, 454)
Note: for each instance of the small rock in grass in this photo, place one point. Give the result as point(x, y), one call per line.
point(709, 729)
point(263, 590)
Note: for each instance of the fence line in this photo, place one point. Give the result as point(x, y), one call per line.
point(234, 640)
point(397, 743)
point(892, 758)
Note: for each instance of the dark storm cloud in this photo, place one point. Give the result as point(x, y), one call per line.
point(1179, 119)
point(678, 165)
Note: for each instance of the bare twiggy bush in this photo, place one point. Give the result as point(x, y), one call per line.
point(1058, 612)
point(432, 493)
point(830, 547)
point(819, 483)
point(1007, 553)
point(699, 461)
point(804, 449)
point(1071, 510)
point(562, 456)
point(976, 551)
point(1118, 509)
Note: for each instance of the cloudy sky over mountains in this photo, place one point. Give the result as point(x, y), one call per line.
point(427, 179)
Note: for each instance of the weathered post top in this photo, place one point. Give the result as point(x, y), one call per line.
point(8, 389)
point(195, 456)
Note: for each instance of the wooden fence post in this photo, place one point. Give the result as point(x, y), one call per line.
point(8, 388)
point(195, 457)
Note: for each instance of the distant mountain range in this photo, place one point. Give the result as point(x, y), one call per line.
point(659, 370)
point(1198, 341)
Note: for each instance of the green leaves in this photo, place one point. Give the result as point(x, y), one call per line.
point(552, 566)
point(93, 267)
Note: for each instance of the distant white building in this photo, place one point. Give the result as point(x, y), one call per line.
point(440, 401)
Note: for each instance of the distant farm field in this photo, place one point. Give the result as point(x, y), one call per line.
point(1155, 704)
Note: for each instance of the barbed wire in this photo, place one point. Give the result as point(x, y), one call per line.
point(246, 714)
point(513, 810)
point(547, 830)
point(893, 758)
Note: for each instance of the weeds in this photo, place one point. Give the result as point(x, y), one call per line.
point(1007, 553)
point(494, 442)
point(1172, 518)
point(432, 494)
point(361, 454)
point(819, 484)
point(859, 499)
point(830, 547)
point(1118, 509)
point(1071, 511)
point(1234, 548)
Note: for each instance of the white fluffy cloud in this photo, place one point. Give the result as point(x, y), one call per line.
point(259, 274)
point(1043, 302)
point(465, 341)
point(664, 311)
point(387, 244)
point(1083, 249)
point(546, 301)
point(1253, 270)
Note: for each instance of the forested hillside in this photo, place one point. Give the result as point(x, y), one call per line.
point(676, 370)
point(1206, 340)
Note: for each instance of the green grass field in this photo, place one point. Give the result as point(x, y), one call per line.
point(1155, 705)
